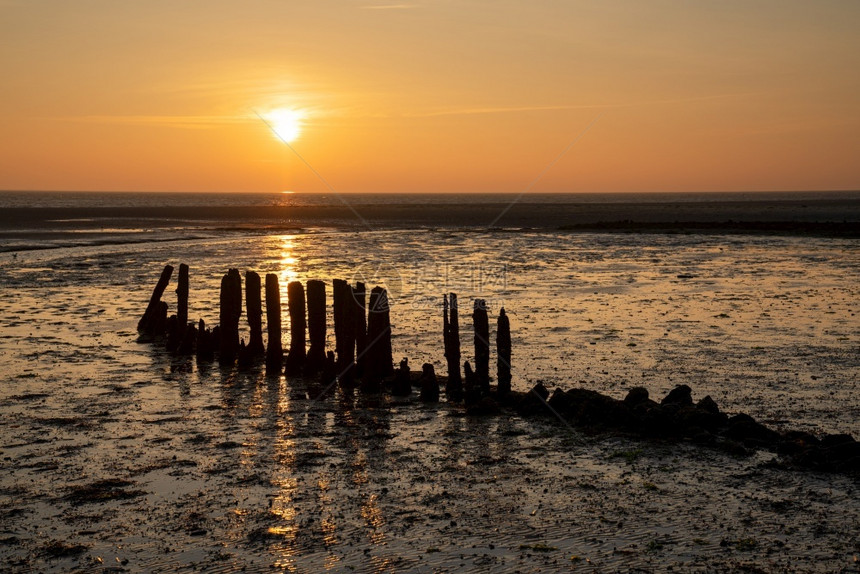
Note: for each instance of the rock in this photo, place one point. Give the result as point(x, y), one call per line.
point(540, 390)
point(680, 395)
point(745, 429)
point(635, 396)
point(708, 404)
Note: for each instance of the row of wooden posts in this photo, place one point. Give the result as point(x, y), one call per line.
point(362, 330)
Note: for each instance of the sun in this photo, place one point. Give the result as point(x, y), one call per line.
point(285, 123)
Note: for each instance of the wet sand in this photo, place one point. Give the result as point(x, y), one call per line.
point(115, 456)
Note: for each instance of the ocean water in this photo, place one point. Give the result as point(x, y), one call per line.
point(764, 324)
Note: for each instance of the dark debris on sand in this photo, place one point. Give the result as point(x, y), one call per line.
point(678, 417)
point(102, 491)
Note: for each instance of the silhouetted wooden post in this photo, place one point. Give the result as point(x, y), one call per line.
point(205, 343)
point(254, 308)
point(339, 311)
point(387, 352)
point(359, 295)
point(379, 362)
point(344, 331)
point(153, 311)
point(451, 338)
point(482, 345)
point(182, 296)
point(316, 326)
point(298, 324)
point(472, 391)
point(231, 311)
point(177, 333)
point(503, 350)
point(275, 350)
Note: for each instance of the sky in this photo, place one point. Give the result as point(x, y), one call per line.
point(430, 96)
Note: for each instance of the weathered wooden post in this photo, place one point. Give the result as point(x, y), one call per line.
point(178, 324)
point(339, 312)
point(379, 362)
point(298, 324)
point(482, 346)
point(344, 331)
point(275, 350)
point(151, 317)
point(231, 311)
point(503, 350)
point(359, 295)
point(451, 337)
point(254, 308)
point(316, 326)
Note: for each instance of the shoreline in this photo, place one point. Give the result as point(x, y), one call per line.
point(753, 214)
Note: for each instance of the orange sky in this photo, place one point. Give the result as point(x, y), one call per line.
point(431, 95)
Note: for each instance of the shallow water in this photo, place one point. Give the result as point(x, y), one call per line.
point(225, 470)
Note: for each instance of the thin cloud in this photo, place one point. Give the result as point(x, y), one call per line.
point(516, 109)
point(174, 121)
point(390, 7)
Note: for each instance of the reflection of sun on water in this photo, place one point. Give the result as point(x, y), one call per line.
point(287, 263)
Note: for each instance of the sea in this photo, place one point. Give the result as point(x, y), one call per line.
point(202, 467)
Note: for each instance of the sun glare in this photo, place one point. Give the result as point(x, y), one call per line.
point(286, 124)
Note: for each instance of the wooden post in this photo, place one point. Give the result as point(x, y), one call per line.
point(205, 343)
point(503, 350)
point(316, 326)
point(176, 333)
point(451, 336)
point(254, 308)
point(231, 311)
point(275, 351)
point(339, 308)
point(149, 320)
point(379, 362)
point(482, 346)
point(359, 295)
point(298, 324)
point(182, 296)
point(344, 332)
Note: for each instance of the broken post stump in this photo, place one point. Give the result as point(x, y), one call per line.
point(151, 317)
point(503, 350)
point(472, 391)
point(296, 307)
point(254, 308)
point(206, 343)
point(482, 346)
point(315, 360)
point(429, 384)
point(275, 350)
point(451, 339)
point(402, 386)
